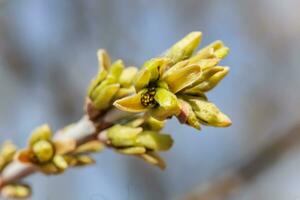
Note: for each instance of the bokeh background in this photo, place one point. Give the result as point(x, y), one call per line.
point(48, 55)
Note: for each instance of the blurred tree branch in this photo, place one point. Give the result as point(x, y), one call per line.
point(225, 186)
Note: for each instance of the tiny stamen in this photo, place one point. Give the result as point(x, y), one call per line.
point(148, 98)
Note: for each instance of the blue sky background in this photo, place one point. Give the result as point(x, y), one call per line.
point(48, 55)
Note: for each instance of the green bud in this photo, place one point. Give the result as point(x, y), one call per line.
point(8, 150)
point(105, 96)
point(185, 47)
point(179, 79)
point(123, 92)
point(127, 76)
point(123, 136)
point(215, 51)
point(222, 52)
point(212, 77)
point(96, 82)
point(208, 113)
point(43, 151)
point(142, 80)
point(60, 162)
point(18, 191)
point(40, 133)
point(116, 70)
point(153, 66)
point(154, 141)
point(188, 116)
point(103, 60)
point(104, 64)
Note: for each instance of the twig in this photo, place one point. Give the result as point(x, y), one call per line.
point(83, 131)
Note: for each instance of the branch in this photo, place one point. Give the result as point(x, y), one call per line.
point(82, 132)
point(229, 183)
point(171, 85)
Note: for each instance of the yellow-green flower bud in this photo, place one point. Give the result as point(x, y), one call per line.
point(188, 116)
point(103, 59)
point(212, 77)
point(43, 151)
point(185, 47)
point(180, 78)
point(154, 141)
point(60, 162)
point(208, 113)
point(18, 191)
point(8, 150)
point(212, 53)
point(40, 133)
point(123, 136)
point(127, 76)
point(104, 99)
point(116, 70)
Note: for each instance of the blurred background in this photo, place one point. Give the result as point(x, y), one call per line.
point(48, 55)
